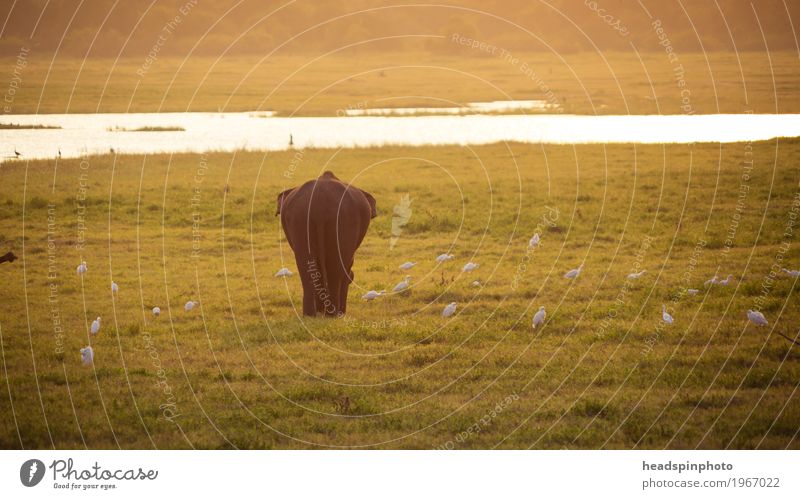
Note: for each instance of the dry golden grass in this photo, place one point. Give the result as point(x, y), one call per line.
point(583, 83)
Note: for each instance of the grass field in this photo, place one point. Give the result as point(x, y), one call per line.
point(244, 370)
point(327, 84)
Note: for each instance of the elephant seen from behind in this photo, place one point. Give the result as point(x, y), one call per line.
point(325, 221)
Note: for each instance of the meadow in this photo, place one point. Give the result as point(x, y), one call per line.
point(330, 83)
point(246, 370)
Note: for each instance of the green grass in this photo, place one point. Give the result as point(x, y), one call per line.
point(245, 371)
point(14, 126)
point(149, 129)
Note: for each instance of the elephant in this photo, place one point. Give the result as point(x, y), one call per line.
point(325, 221)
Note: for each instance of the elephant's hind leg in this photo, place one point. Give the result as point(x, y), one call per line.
point(340, 275)
point(306, 267)
point(344, 287)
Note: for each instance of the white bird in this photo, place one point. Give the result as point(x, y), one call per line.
point(538, 317)
point(284, 272)
point(713, 280)
point(757, 318)
point(792, 273)
point(444, 257)
point(407, 265)
point(82, 268)
point(664, 315)
point(114, 287)
point(692, 292)
point(449, 310)
point(95, 326)
point(156, 311)
point(572, 274)
point(534, 242)
point(371, 295)
point(476, 284)
point(469, 267)
point(87, 355)
point(402, 285)
point(636, 275)
point(725, 281)
point(190, 305)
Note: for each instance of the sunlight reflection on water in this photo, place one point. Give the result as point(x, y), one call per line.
point(81, 134)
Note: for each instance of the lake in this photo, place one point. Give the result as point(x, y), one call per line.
point(80, 134)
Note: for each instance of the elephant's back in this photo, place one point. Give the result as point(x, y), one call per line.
point(325, 200)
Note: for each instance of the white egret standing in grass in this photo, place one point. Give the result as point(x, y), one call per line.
point(476, 283)
point(534, 242)
point(371, 295)
point(636, 275)
point(538, 317)
point(712, 281)
point(757, 318)
point(572, 274)
point(469, 267)
point(114, 287)
point(692, 292)
point(407, 265)
point(87, 355)
point(190, 305)
point(444, 257)
point(82, 268)
point(95, 326)
point(284, 272)
point(665, 315)
point(792, 273)
point(449, 310)
point(402, 285)
point(725, 281)
point(156, 311)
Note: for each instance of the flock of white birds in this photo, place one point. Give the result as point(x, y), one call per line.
point(87, 353)
point(754, 316)
point(402, 287)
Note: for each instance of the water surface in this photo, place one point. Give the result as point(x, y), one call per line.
point(498, 106)
point(81, 134)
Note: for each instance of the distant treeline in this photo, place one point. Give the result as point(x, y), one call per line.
point(111, 28)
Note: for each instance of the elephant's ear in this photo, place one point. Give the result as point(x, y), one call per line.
point(281, 196)
point(372, 204)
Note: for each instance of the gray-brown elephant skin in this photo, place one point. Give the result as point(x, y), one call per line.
point(325, 221)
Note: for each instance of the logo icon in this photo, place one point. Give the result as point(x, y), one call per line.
point(401, 216)
point(31, 472)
